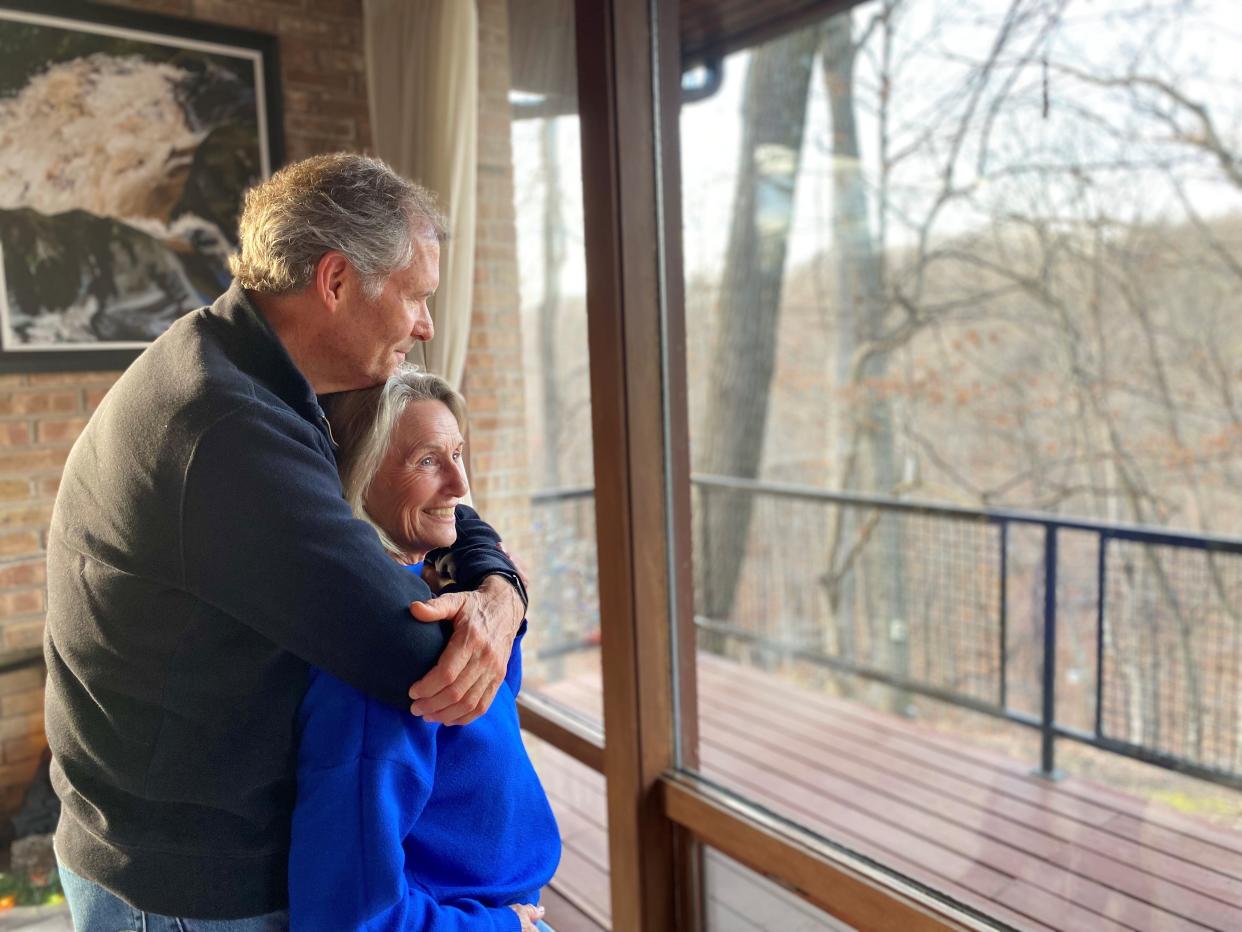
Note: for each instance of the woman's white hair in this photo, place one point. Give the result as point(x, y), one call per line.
point(363, 423)
point(353, 204)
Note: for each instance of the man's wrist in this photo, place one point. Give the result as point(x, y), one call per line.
point(515, 581)
point(495, 585)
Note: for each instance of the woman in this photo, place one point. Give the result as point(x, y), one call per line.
point(403, 824)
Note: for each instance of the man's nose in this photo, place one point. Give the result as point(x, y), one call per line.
point(424, 329)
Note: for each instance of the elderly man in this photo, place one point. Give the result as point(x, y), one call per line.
point(201, 557)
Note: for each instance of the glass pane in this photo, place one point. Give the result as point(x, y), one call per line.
point(580, 888)
point(740, 900)
point(961, 293)
point(562, 648)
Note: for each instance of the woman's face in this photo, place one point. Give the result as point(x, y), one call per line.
point(421, 480)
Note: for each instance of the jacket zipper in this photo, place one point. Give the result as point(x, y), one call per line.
point(327, 426)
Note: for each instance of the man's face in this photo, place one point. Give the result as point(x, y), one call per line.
point(376, 333)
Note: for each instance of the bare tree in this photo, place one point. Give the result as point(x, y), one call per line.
point(865, 445)
point(773, 117)
point(549, 308)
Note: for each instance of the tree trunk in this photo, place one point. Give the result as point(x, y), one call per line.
point(869, 593)
point(553, 260)
point(557, 539)
point(773, 117)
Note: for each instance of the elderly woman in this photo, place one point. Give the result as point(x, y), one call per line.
point(400, 823)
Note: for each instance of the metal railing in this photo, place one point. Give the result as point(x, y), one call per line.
point(924, 598)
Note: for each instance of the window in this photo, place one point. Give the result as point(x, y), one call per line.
point(960, 292)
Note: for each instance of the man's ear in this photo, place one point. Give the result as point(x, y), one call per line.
point(331, 280)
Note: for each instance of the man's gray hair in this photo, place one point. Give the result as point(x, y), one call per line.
point(353, 204)
point(363, 423)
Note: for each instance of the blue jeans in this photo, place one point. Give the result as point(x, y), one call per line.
point(94, 909)
point(543, 926)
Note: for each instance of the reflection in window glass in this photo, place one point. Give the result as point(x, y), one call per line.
point(961, 285)
point(739, 900)
point(562, 649)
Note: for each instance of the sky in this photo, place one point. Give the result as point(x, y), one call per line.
point(938, 45)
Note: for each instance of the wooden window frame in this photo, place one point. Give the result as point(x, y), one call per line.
point(848, 888)
point(841, 885)
point(640, 441)
point(660, 813)
point(552, 724)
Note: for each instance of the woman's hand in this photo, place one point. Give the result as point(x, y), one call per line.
point(529, 914)
point(431, 576)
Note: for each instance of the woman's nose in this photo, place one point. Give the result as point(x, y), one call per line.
point(459, 485)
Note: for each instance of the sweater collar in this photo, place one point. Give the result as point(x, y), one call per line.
point(257, 350)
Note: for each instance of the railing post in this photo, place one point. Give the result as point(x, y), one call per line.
point(1047, 758)
point(1003, 697)
point(1101, 588)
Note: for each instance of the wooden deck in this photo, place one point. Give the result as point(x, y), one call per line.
point(1036, 855)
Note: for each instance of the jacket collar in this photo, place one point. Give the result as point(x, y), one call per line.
point(255, 348)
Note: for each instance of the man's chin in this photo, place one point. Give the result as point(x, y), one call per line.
point(385, 372)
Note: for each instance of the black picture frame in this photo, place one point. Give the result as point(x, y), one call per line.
point(216, 119)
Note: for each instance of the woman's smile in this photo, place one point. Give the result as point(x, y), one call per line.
point(423, 465)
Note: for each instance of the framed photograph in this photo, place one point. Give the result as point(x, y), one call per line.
point(126, 142)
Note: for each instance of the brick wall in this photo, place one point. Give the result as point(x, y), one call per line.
point(322, 71)
point(494, 383)
point(40, 417)
point(324, 89)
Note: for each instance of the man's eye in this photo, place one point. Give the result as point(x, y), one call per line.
point(427, 461)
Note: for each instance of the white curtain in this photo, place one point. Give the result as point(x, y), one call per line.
point(422, 86)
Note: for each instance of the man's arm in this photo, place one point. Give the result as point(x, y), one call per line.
point(485, 623)
point(268, 539)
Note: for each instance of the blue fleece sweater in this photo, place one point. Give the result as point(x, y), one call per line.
point(406, 826)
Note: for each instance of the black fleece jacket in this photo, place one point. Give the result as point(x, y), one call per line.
point(200, 558)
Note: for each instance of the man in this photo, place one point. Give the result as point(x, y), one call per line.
point(201, 557)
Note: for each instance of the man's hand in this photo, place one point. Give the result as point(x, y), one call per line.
point(463, 684)
point(529, 915)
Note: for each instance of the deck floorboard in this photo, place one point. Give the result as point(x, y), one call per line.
point(961, 818)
